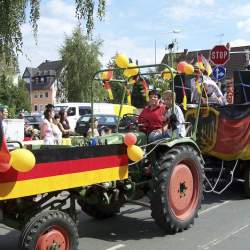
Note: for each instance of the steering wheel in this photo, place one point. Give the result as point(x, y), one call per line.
point(129, 122)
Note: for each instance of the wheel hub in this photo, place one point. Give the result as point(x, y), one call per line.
point(183, 190)
point(54, 239)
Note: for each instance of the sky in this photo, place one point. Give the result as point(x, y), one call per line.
point(141, 29)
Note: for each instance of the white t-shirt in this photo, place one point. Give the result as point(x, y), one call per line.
point(180, 117)
point(57, 133)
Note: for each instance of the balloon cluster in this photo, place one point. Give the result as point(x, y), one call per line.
point(130, 69)
point(21, 160)
point(186, 68)
point(134, 152)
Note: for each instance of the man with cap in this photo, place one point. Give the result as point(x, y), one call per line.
point(152, 118)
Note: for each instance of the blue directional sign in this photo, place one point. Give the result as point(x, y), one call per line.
point(219, 72)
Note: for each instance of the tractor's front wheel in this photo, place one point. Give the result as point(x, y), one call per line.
point(178, 190)
point(49, 230)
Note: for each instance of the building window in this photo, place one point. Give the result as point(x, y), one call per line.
point(46, 94)
point(41, 95)
point(35, 95)
point(35, 108)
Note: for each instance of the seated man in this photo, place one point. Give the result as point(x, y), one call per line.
point(213, 92)
point(152, 117)
point(175, 120)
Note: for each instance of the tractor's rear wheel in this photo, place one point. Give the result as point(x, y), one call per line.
point(49, 230)
point(178, 191)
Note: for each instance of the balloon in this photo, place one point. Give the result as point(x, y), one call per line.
point(121, 61)
point(130, 139)
point(22, 160)
point(188, 69)
point(126, 73)
point(180, 66)
point(107, 75)
point(166, 75)
point(135, 153)
point(131, 72)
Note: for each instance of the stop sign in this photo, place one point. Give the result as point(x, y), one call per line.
point(219, 55)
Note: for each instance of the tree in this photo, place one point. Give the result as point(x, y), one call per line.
point(13, 15)
point(15, 97)
point(80, 62)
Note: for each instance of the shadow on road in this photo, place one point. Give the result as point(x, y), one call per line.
point(233, 192)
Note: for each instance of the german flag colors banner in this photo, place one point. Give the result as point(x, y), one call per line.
point(224, 132)
point(65, 168)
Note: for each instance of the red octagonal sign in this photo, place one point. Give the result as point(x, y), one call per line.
point(219, 55)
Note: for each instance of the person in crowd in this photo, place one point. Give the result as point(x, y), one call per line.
point(174, 118)
point(3, 116)
point(151, 120)
point(46, 126)
point(57, 133)
point(213, 93)
point(95, 128)
point(64, 124)
point(106, 130)
point(21, 115)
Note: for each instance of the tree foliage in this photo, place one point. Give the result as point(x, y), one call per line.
point(80, 59)
point(14, 14)
point(15, 97)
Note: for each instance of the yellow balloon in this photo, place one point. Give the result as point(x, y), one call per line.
point(132, 72)
point(166, 75)
point(188, 69)
point(126, 73)
point(22, 160)
point(121, 61)
point(104, 76)
point(135, 153)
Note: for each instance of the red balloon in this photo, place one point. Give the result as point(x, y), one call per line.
point(181, 66)
point(130, 139)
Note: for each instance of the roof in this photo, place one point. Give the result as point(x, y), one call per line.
point(48, 69)
point(50, 65)
point(237, 60)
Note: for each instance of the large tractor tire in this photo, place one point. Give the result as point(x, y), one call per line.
point(49, 230)
point(178, 190)
point(246, 181)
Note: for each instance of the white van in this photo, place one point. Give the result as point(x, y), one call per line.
point(76, 109)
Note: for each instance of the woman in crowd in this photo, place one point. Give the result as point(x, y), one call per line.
point(95, 125)
point(46, 126)
point(57, 133)
point(64, 124)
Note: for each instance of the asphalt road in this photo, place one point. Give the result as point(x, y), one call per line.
point(223, 224)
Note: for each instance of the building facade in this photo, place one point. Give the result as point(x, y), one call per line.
point(42, 83)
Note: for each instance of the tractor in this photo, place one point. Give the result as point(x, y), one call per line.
point(41, 200)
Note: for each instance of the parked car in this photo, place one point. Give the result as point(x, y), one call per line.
point(104, 120)
point(33, 120)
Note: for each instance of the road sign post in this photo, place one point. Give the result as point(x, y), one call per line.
point(219, 55)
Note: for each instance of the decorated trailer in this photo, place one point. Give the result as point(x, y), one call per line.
point(223, 136)
point(100, 177)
